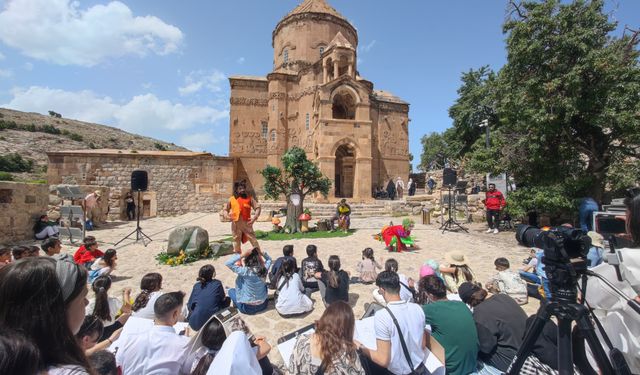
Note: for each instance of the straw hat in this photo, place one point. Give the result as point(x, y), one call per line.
point(98, 193)
point(454, 257)
point(596, 239)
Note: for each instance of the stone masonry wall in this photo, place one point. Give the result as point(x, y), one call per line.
point(21, 205)
point(177, 184)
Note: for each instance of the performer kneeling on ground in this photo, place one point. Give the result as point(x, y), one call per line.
point(398, 237)
point(238, 210)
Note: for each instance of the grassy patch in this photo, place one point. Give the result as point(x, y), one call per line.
point(273, 236)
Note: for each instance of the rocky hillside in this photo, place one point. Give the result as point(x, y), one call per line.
point(31, 135)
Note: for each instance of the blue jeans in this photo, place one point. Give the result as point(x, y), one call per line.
point(533, 278)
point(245, 308)
point(587, 207)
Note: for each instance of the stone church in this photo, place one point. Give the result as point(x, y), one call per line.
point(316, 99)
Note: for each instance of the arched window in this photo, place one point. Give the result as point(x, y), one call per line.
point(321, 51)
point(306, 123)
point(286, 55)
point(265, 129)
point(344, 106)
point(273, 135)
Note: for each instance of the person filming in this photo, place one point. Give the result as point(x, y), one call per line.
point(620, 322)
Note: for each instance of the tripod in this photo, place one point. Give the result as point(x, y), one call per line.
point(140, 235)
point(451, 221)
point(566, 309)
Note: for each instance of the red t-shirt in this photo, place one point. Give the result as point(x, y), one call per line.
point(245, 208)
point(83, 255)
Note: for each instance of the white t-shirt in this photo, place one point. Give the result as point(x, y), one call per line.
point(67, 370)
point(114, 306)
point(291, 299)
point(160, 351)
point(405, 294)
point(411, 320)
point(147, 311)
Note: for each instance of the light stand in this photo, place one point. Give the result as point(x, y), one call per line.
point(451, 223)
point(140, 235)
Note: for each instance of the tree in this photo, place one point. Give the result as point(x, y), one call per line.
point(436, 147)
point(569, 104)
point(298, 175)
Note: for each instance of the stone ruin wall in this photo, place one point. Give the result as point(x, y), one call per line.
point(21, 205)
point(177, 184)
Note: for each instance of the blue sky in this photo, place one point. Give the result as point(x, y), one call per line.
point(159, 68)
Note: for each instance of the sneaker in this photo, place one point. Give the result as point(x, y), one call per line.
point(489, 230)
point(495, 231)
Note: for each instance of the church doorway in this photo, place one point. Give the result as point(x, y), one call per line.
point(345, 171)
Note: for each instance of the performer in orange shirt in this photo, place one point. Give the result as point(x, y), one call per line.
point(238, 210)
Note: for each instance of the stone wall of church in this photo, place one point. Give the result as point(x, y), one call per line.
point(21, 205)
point(177, 184)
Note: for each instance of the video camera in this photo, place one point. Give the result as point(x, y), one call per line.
point(565, 254)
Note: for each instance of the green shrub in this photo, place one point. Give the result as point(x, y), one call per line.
point(6, 176)
point(160, 146)
point(15, 163)
point(76, 137)
point(50, 129)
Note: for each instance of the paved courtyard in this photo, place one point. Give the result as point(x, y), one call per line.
point(134, 260)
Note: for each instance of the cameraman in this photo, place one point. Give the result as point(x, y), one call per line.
point(620, 322)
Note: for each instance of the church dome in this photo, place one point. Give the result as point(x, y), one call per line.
point(307, 30)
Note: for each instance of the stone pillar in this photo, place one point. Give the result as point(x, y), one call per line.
point(335, 70)
point(325, 72)
point(362, 182)
point(351, 69)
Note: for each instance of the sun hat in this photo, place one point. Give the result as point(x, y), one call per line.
point(596, 239)
point(454, 257)
point(98, 193)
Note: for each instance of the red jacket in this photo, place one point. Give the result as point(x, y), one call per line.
point(494, 200)
point(83, 255)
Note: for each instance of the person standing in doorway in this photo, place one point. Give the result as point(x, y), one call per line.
point(494, 202)
point(131, 206)
point(411, 187)
point(399, 187)
point(391, 189)
point(238, 210)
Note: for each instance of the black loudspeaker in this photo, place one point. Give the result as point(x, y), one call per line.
point(139, 180)
point(449, 177)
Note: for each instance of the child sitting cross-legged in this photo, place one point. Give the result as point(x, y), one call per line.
point(367, 267)
point(507, 282)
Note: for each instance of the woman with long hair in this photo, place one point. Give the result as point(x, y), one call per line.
point(334, 283)
point(457, 272)
point(250, 293)
point(367, 268)
point(213, 337)
point(112, 312)
point(291, 298)
point(104, 265)
point(150, 286)
point(330, 349)
point(44, 298)
point(18, 355)
point(207, 297)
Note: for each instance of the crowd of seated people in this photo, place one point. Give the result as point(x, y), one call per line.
point(479, 328)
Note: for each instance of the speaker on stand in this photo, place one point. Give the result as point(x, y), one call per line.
point(449, 181)
point(139, 183)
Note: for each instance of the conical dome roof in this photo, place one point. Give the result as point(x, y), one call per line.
point(315, 6)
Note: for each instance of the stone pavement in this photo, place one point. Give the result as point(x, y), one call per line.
point(134, 260)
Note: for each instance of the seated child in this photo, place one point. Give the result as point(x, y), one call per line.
point(507, 282)
point(367, 267)
point(287, 252)
point(308, 269)
point(19, 252)
point(104, 265)
point(457, 271)
point(88, 252)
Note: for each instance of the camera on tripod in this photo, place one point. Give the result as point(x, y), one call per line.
point(565, 254)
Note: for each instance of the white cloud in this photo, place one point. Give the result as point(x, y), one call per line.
point(6, 73)
point(368, 47)
point(60, 32)
point(200, 141)
point(199, 79)
point(144, 114)
point(241, 60)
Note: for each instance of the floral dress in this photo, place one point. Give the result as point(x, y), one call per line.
point(304, 363)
